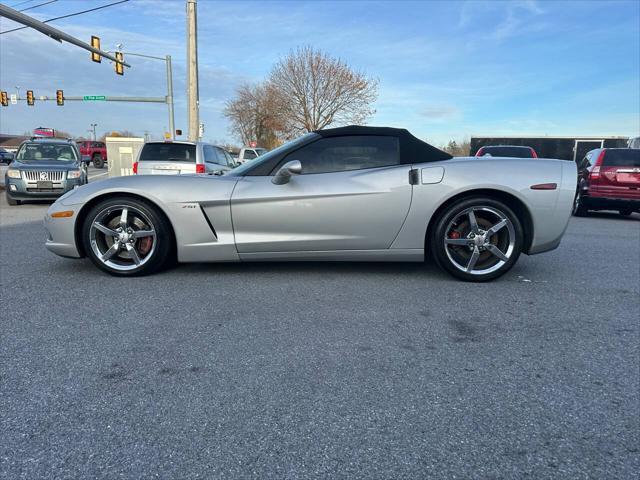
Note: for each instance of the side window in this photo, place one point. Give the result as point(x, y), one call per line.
point(220, 158)
point(249, 155)
point(209, 154)
point(341, 154)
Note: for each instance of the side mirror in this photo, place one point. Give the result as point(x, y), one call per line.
point(284, 174)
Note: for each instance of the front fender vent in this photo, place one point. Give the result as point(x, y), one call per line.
point(213, 230)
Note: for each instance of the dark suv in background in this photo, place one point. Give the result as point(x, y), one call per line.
point(609, 179)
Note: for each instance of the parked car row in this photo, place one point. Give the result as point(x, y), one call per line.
point(46, 168)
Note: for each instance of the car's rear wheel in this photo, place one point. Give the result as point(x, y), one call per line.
point(477, 239)
point(126, 237)
point(98, 162)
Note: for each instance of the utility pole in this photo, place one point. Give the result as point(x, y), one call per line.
point(172, 123)
point(93, 126)
point(192, 70)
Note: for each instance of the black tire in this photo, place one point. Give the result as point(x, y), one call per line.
point(161, 253)
point(509, 239)
point(12, 201)
point(98, 162)
point(625, 212)
point(579, 210)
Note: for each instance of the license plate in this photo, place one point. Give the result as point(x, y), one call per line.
point(45, 185)
point(156, 171)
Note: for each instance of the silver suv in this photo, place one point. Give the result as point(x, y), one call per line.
point(175, 158)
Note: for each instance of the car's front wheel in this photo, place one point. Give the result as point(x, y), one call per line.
point(127, 236)
point(477, 239)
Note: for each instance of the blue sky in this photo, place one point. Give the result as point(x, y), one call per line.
point(446, 69)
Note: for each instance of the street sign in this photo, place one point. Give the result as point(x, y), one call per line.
point(14, 99)
point(93, 97)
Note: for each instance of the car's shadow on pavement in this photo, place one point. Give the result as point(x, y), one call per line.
point(613, 216)
point(315, 267)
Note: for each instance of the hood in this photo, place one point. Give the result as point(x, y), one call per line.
point(45, 164)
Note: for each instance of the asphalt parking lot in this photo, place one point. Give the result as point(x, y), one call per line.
point(310, 370)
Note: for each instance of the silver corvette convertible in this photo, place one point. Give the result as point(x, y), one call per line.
point(351, 193)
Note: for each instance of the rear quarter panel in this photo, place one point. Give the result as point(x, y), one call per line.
point(549, 209)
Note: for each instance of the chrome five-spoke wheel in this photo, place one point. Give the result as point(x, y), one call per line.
point(477, 239)
point(122, 237)
point(127, 237)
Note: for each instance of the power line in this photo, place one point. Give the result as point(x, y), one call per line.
point(40, 5)
point(69, 15)
point(21, 3)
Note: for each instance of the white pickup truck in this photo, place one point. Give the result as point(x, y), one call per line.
point(249, 153)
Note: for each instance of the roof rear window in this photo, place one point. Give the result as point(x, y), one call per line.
point(622, 157)
point(168, 152)
point(518, 152)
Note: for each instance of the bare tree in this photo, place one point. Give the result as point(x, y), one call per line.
point(116, 133)
point(458, 149)
point(254, 115)
point(314, 90)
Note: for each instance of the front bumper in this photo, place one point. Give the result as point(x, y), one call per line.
point(21, 189)
point(604, 203)
point(61, 231)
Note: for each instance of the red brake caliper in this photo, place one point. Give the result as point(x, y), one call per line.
point(144, 245)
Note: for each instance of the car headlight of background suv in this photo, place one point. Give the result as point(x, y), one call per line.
point(12, 173)
point(74, 174)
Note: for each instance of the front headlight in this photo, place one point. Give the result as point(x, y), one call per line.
point(12, 173)
point(74, 174)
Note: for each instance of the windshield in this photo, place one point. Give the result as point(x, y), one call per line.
point(245, 167)
point(35, 152)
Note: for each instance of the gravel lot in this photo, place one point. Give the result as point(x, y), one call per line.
point(311, 370)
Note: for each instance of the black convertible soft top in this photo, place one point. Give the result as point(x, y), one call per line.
point(412, 149)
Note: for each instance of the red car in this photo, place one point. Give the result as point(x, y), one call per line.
point(96, 150)
point(512, 151)
point(609, 179)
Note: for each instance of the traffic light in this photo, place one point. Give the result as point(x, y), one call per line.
point(95, 43)
point(3, 99)
point(30, 99)
point(119, 65)
point(60, 97)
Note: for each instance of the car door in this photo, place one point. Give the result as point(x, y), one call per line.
point(352, 194)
